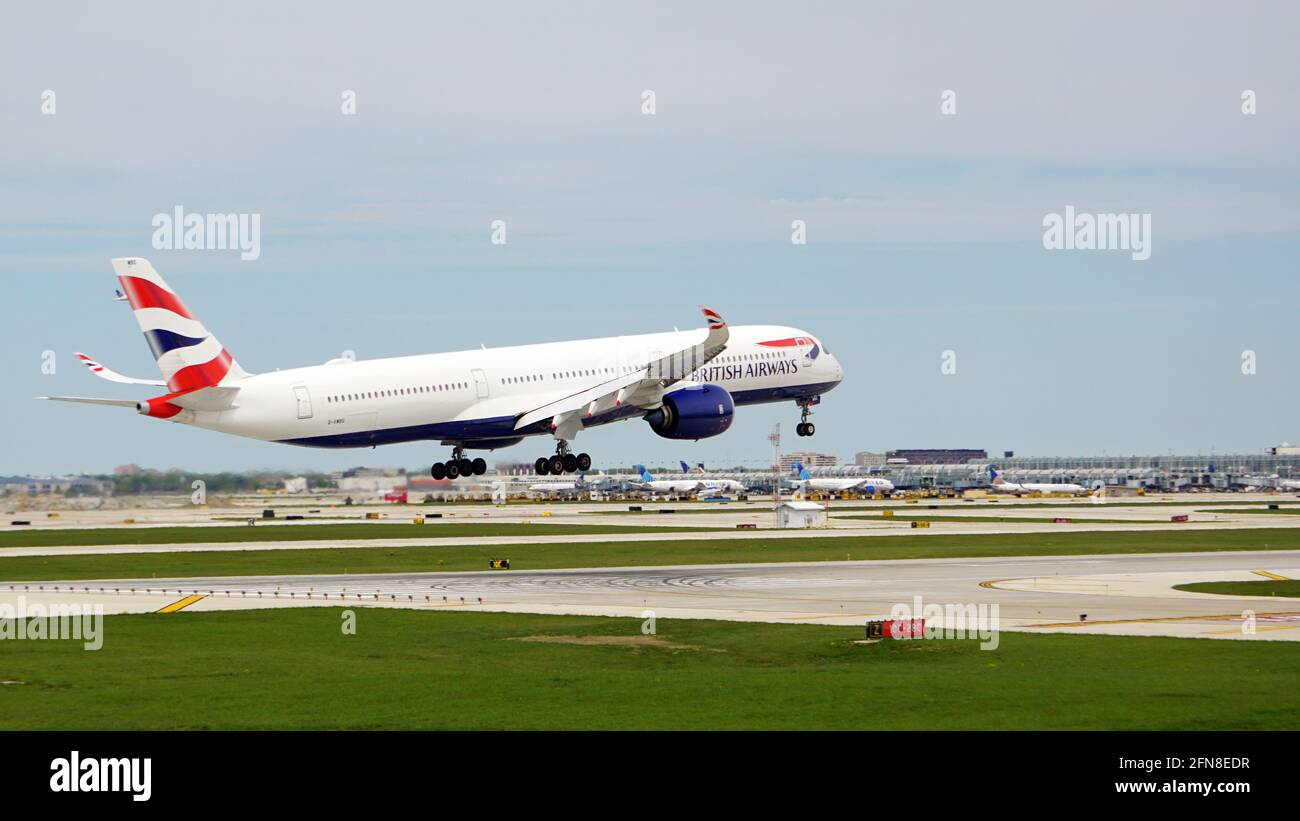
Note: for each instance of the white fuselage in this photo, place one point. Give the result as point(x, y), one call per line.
point(1037, 487)
point(873, 483)
point(670, 485)
point(721, 486)
point(476, 395)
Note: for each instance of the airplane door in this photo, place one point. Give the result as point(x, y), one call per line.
point(810, 351)
point(304, 401)
point(480, 383)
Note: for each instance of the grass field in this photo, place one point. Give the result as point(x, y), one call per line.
point(1290, 587)
point(74, 537)
point(409, 669)
point(459, 557)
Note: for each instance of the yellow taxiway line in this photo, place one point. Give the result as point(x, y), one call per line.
point(181, 604)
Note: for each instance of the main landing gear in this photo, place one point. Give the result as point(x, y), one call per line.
point(562, 462)
point(458, 466)
point(805, 428)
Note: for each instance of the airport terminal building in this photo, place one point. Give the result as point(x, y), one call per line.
point(1165, 473)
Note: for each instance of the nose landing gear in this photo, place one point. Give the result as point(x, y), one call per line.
point(805, 428)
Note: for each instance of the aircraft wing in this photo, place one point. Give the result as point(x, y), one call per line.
point(643, 387)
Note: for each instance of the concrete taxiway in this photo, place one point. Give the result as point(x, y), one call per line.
point(1119, 594)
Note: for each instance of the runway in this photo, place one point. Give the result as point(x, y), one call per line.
point(1120, 594)
point(701, 523)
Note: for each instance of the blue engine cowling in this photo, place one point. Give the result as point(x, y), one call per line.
point(693, 413)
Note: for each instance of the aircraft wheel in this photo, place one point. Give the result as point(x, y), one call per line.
point(542, 466)
point(439, 470)
point(466, 467)
point(584, 462)
point(453, 469)
point(809, 428)
point(556, 464)
point(480, 466)
point(570, 463)
point(799, 428)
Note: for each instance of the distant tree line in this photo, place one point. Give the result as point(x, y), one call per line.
point(175, 481)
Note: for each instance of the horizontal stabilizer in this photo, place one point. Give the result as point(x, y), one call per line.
point(113, 376)
point(87, 400)
point(207, 399)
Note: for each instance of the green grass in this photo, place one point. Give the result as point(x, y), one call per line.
point(455, 556)
point(1290, 587)
point(145, 534)
point(294, 668)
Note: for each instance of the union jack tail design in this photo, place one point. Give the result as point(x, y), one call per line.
point(188, 355)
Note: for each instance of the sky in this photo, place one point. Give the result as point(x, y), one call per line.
point(924, 226)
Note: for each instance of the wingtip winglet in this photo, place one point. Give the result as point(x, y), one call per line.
point(715, 319)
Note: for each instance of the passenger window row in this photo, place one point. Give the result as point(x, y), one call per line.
point(364, 395)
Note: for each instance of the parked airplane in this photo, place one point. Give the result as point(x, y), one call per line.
point(1003, 486)
point(650, 483)
point(684, 384)
point(712, 484)
point(573, 486)
point(862, 484)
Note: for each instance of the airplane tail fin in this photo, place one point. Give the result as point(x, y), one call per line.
point(804, 475)
point(995, 478)
point(645, 474)
point(188, 355)
point(685, 467)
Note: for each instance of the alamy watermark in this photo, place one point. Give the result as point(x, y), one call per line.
point(953, 621)
point(1074, 231)
point(208, 232)
point(52, 622)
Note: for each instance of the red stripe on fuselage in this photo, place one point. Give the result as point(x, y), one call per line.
point(142, 293)
point(205, 375)
point(789, 342)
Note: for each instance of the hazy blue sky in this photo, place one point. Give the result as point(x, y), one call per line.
point(924, 230)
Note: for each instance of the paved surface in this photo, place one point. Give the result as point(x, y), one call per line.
point(1128, 594)
point(698, 512)
point(1134, 516)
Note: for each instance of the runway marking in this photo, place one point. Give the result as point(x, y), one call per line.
point(1148, 621)
point(181, 604)
point(1238, 630)
point(833, 616)
point(1269, 575)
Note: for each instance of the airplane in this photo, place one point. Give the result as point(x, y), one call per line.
point(684, 384)
point(650, 483)
point(1003, 486)
point(573, 486)
point(866, 484)
point(710, 484)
